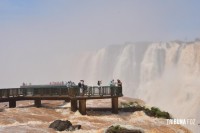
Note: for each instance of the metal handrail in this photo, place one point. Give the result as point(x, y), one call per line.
point(61, 90)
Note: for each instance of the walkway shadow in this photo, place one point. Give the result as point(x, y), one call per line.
point(58, 107)
point(45, 105)
point(92, 111)
point(50, 106)
point(25, 106)
point(1, 109)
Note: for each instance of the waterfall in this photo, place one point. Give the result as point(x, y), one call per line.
point(166, 75)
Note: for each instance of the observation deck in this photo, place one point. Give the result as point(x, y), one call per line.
point(75, 94)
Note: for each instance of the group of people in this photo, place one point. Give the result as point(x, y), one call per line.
point(115, 91)
point(118, 83)
point(67, 83)
point(81, 84)
point(57, 83)
point(82, 87)
point(112, 83)
point(70, 83)
point(25, 84)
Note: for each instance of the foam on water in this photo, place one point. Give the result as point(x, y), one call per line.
point(22, 124)
point(38, 119)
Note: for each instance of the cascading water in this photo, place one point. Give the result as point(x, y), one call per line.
point(166, 75)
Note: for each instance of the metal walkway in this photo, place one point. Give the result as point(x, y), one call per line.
point(61, 92)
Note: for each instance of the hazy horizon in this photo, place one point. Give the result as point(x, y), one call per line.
point(39, 38)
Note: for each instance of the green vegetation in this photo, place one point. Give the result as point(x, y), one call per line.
point(130, 104)
point(114, 129)
point(156, 112)
point(153, 112)
point(125, 105)
point(119, 129)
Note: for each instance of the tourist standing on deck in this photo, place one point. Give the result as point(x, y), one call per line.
point(119, 84)
point(100, 88)
point(82, 87)
point(112, 82)
point(99, 83)
point(79, 86)
point(112, 87)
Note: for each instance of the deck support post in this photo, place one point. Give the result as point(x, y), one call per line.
point(12, 103)
point(37, 103)
point(82, 106)
point(114, 105)
point(73, 105)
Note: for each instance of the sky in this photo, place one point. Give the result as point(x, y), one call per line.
point(38, 38)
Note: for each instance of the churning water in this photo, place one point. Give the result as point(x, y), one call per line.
point(166, 75)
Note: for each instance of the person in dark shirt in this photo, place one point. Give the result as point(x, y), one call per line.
point(112, 87)
point(99, 83)
point(82, 87)
point(100, 88)
point(79, 84)
point(119, 84)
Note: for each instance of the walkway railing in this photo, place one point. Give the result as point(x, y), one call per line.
point(95, 91)
point(61, 90)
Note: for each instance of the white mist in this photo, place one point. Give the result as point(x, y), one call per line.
point(166, 75)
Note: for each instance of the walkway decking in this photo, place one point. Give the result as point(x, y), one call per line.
point(61, 92)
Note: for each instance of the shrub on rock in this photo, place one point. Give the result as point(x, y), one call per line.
point(156, 112)
point(119, 129)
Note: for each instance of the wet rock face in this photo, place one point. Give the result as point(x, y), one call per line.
point(60, 125)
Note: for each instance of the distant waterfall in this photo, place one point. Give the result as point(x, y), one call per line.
point(166, 75)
